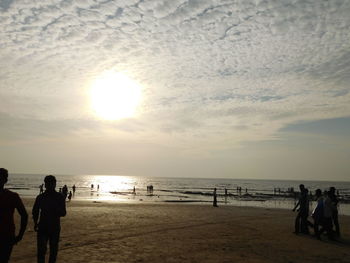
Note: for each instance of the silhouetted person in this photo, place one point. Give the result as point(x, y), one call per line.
point(134, 190)
point(73, 187)
point(327, 224)
point(335, 201)
point(65, 191)
point(317, 213)
point(51, 207)
point(303, 211)
point(9, 201)
point(92, 186)
point(70, 195)
point(215, 201)
point(98, 187)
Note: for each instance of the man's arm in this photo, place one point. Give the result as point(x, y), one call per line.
point(35, 213)
point(24, 220)
point(61, 209)
point(296, 206)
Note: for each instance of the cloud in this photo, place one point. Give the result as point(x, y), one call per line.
point(208, 68)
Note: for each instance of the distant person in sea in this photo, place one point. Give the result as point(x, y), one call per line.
point(92, 187)
point(301, 223)
point(65, 191)
point(48, 208)
point(215, 201)
point(70, 195)
point(41, 187)
point(335, 201)
point(98, 187)
point(73, 188)
point(9, 201)
point(134, 191)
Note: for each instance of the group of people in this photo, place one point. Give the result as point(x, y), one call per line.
point(324, 214)
point(49, 207)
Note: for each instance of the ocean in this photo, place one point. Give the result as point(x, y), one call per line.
point(118, 188)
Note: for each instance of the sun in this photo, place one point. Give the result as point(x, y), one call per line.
point(114, 96)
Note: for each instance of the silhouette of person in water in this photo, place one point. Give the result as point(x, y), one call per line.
point(9, 201)
point(70, 195)
point(73, 187)
point(51, 207)
point(301, 223)
point(335, 201)
point(215, 201)
point(65, 191)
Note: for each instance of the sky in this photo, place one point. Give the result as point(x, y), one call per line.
point(229, 89)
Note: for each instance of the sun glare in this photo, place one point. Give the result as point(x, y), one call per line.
point(115, 96)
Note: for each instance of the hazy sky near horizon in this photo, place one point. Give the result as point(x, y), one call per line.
point(241, 89)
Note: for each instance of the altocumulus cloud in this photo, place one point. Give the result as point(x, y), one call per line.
point(214, 72)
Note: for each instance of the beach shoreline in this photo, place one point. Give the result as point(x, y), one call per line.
point(103, 231)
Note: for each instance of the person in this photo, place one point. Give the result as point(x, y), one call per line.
point(134, 191)
point(70, 195)
point(65, 191)
point(215, 202)
point(50, 206)
point(327, 224)
point(301, 223)
point(73, 187)
point(9, 201)
point(335, 201)
point(317, 213)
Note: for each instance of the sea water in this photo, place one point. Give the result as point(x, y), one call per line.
point(119, 188)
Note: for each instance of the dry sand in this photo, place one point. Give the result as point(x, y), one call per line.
point(120, 232)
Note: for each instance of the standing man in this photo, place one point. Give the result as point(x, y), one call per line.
point(51, 207)
point(9, 201)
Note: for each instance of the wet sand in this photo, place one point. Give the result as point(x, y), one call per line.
point(122, 232)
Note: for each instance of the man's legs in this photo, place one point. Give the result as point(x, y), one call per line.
point(42, 239)
point(297, 224)
point(304, 223)
point(6, 245)
point(54, 239)
point(336, 223)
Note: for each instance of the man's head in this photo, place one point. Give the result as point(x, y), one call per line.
point(50, 182)
point(3, 176)
point(332, 190)
point(318, 192)
point(301, 187)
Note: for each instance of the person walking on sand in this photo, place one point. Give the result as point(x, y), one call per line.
point(317, 213)
point(301, 223)
point(9, 201)
point(335, 201)
point(50, 206)
point(215, 202)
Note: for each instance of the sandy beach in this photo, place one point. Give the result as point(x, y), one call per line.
point(144, 232)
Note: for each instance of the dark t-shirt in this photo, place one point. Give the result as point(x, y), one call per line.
point(51, 206)
point(9, 201)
